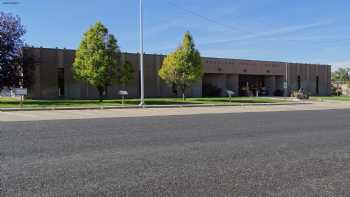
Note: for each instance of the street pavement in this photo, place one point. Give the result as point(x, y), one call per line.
point(290, 153)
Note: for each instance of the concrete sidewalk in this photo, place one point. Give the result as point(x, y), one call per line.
point(139, 112)
point(147, 106)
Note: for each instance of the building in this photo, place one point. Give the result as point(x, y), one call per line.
point(54, 77)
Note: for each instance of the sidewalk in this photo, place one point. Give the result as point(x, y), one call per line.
point(143, 112)
point(146, 106)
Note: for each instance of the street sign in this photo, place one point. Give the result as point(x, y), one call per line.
point(21, 92)
point(285, 85)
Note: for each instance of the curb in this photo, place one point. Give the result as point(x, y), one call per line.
point(332, 101)
point(150, 106)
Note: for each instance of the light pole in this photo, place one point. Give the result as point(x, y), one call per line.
point(286, 82)
point(142, 96)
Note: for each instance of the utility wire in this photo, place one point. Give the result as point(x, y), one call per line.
point(10, 2)
point(235, 29)
point(232, 28)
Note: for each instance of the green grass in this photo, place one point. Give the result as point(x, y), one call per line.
point(13, 103)
point(332, 98)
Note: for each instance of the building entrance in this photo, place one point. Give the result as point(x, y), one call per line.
point(252, 85)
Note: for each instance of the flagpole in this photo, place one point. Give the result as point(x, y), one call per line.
point(142, 91)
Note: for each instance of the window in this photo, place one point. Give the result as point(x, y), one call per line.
point(60, 81)
point(299, 82)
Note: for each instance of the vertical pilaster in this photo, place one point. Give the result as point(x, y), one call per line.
point(158, 65)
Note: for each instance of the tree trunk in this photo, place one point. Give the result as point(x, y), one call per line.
point(174, 89)
point(105, 92)
point(183, 93)
point(100, 93)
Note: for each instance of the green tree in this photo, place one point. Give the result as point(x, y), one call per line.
point(11, 56)
point(341, 75)
point(97, 58)
point(183, 67)
point(125, 74)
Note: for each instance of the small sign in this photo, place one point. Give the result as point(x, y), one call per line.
point(285, 85)
point(230, 92)
point(21, 91)
point(123, 93)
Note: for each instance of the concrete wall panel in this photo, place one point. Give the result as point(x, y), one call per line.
point(222, 72)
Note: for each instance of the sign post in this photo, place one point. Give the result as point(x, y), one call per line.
point(21, 92)
point(123, 93)
point(230, 93)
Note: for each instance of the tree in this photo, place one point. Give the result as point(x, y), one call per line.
point(341, 75)
point(125, 74)
point(183, 67)
point(97, 58)
point(11, 57)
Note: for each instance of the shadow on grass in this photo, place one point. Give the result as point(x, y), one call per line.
point(169, 102)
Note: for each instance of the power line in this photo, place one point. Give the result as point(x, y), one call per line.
point(11, 2)
point(232, 28)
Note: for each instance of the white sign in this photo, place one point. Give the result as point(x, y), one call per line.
point(285, 85)
point(21, 91)
point(123, 93)
point(230, 92)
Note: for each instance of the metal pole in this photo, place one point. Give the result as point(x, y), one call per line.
point(22, 99)
point(286, 82)
point(21, 86)
point(142, 99)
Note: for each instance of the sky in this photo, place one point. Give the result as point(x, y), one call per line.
point(305, 31)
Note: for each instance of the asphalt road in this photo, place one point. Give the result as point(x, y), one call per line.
point(304, 153)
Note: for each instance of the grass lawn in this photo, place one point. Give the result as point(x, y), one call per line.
point(13, 103)
point(333, 98)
